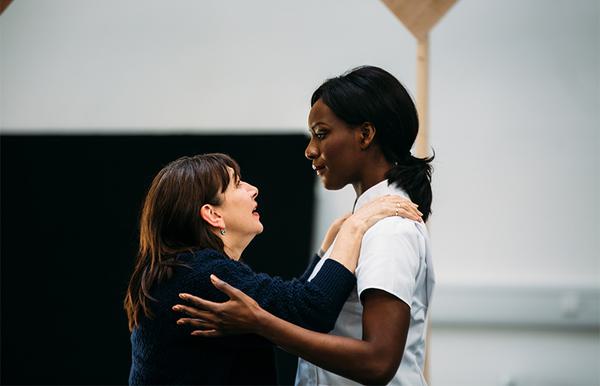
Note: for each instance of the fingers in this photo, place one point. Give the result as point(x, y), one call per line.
point(409, 213)
point(219, 284)
point(197, 323)
point(399, 206)
point(193, 312)
point(207, 333)
point(410, 204)
point(224, 287)
point(408, 210)
point(404, 207)
point(403, 201)
point(199, 302)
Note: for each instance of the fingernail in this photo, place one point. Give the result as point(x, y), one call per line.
point(183, 296)
point(179, 322)
point(175, 308)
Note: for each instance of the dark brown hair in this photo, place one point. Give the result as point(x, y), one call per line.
point(170, 223)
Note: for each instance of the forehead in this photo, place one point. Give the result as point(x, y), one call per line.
point(321, 113)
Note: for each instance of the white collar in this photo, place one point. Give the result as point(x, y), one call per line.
point(380, 189)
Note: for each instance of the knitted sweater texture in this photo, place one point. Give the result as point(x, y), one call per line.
point(165, 353)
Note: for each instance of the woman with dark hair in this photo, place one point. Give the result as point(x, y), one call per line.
point(363, 125)
point(198, 217)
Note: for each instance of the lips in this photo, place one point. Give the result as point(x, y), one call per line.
point(255, 211)
point(320, 169)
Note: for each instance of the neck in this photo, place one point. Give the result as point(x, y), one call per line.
point(373, 173)
point(235, 246)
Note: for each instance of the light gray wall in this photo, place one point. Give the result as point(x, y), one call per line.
point(515, 102)
point(517, 130)
point(185, 64)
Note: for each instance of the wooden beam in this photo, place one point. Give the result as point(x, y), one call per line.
point(419, 16)
point(422, 100)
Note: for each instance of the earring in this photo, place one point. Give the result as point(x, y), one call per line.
point(223, 231)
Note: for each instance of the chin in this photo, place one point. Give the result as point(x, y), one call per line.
point(333, 185)
point(260, 229)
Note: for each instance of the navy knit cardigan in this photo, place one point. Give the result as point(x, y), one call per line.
point(165, 353)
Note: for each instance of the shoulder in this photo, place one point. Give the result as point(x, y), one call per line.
point(395, 227)
point(201, 264)
point(394, 239)
point(203, 254)
point(205, 260)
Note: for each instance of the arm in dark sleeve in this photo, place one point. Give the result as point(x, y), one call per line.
point(314, 305)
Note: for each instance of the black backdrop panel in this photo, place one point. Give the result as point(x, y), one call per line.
point(69, 221)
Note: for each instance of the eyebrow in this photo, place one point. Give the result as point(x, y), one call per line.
point(312, 128)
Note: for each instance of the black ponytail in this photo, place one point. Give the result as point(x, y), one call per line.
point(371, 94)
point(413, 175)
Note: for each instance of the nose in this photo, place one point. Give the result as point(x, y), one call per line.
point(311, 152)
point(253, 190)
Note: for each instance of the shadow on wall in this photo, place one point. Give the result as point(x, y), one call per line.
point(69, 234)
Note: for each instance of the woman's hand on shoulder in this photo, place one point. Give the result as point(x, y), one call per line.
point(239, 315)
point(381, 207)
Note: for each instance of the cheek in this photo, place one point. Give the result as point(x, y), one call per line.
point(333, 152)
point(340, 153)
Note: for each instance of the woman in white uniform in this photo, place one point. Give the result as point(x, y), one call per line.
point(363, 125)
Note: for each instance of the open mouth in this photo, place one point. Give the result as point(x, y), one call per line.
point(255, 211)
point(318, 169)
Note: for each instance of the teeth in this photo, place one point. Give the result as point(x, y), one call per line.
point(314, 167)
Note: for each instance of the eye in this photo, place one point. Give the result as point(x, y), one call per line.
point(320, 135)
point(318, 132)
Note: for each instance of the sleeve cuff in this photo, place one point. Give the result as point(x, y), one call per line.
point(335, 280)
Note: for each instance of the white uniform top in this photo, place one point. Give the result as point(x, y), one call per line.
point(395, 257)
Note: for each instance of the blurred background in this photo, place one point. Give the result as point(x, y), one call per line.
point(96, 96)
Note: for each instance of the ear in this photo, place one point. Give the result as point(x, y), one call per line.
point(212, 216)
point(367, 135)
